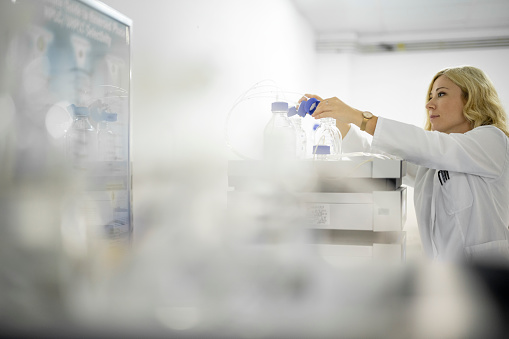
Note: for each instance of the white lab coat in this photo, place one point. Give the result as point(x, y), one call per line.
point(461, 187)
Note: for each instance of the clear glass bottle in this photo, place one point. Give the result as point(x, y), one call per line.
point(300, 134)
point(81, 138)
point(279, 135)
point(311, 138)
point(106, 138)
point(327, 134)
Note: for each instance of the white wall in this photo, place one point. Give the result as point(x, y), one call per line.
point(192, 59)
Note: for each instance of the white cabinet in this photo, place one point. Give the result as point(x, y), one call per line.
point(353, 209)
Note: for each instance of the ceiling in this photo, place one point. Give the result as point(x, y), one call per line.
point(366, 22)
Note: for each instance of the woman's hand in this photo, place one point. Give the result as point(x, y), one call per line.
point(337, 109)
point(344, 114)
point(343, 127)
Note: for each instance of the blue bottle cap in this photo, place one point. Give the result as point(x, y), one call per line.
point(292, 111)
point(321, 149)
point(110, 117)
point(301, 112)
point(279, 106)
point(311, 105)
point(302, 109)
point(78, 111)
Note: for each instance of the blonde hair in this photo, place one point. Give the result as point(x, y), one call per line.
point(482, 104)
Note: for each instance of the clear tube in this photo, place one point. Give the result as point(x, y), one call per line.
point(265, 89)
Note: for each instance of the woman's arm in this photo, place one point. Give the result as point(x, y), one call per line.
point(356, 141)
point(482, 151)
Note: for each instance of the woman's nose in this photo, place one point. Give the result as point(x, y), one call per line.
point(430, 104)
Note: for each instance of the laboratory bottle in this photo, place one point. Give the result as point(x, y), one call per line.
point(300, 134)
point(81, 137)
point(279, 135)
point(311, 139)
point(106, 138)
point(308, 107)
point(327, 134)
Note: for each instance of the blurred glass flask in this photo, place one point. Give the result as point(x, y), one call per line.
point(80, 138)
point(279, 135)
point(106, 138)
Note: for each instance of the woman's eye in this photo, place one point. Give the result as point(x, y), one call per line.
point(441, 94)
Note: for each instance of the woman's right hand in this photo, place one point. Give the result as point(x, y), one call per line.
point(306, 97)
point(342, 126)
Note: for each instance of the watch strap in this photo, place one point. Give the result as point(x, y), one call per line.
point(365, 121)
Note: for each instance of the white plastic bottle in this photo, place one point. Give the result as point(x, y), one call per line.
point(81, 138)
point(106, 138)
point(328, 135)
point(300, 134)
point(279, 135)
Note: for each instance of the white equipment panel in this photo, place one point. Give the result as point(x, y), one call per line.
point(355, 208)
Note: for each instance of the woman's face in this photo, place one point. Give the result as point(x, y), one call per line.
point(445, 107)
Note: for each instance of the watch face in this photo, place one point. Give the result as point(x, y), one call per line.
point(367, 115)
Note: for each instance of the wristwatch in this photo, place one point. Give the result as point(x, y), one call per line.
point(365, 117)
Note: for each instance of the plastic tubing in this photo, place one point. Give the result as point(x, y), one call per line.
point(262, 89)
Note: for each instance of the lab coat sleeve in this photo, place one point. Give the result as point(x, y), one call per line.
point(481, 151)
point(411, 171)
point(356, 141)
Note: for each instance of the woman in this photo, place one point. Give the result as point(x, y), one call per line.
point(459, 164)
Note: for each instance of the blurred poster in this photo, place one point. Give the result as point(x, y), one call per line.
point(64, 98)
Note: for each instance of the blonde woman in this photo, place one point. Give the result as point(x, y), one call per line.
point(458, 164)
